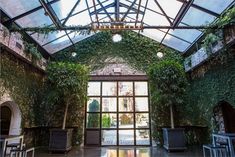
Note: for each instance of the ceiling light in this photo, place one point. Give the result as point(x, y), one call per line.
point(74, 54)
point(160, 54)
point(117, 38)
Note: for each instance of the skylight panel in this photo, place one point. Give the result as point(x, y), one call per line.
point(57, 45)
point(82, 18)
point(175, 43)
point(17, 7)
point(153, 34)
point(35, 19)
point(171, 7)
point(43, 39)
point(78, 37)
point(195, 17)
point(217, 6)
point(154, 19)
point(63, 8)
point(187, 34)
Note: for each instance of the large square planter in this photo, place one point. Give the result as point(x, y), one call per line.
point(174, 139)
point(60, 140)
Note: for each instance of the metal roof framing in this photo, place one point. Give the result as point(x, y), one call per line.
point(102, 9)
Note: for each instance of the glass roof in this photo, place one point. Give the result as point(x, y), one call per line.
point(166, 13)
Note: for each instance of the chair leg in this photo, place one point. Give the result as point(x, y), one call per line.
point(204, 153)
point(211, 153)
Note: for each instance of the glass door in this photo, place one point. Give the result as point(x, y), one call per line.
point(118, 112)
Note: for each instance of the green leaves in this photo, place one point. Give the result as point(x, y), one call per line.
point(67, 84)
point(137, 50)
point(167, 85)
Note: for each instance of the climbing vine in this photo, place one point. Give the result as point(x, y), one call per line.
point(135, 49)
point(24, 84)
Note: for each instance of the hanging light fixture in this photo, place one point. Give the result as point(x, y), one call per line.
point(74, 54)
point(116, 38)
point(159, 54)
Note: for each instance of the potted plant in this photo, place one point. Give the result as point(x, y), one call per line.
point(69, 80)
point(169, 80)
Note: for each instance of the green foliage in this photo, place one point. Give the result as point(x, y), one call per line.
point(106, 121)
point(214, 35)
point(228, 18)
point(32, 50)
point(210, 40)
point(169, 79)
point(94, 106)
point(135, 49)
point(67, 84)
point(93, 119)
point(45, 30)
point(167, 86)
point(24, 84)
point(206, 91)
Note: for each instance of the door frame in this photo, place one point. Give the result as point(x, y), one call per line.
point(119, 78)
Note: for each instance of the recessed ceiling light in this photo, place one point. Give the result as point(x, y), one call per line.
point(117, 38)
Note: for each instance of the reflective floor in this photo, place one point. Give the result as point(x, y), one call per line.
point(123, 152)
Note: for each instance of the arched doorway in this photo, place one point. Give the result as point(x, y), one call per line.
point(5, 120)
point(10, 118)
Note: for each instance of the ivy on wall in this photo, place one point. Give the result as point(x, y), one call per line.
point(209, 85)
point(23, 83)
point(26, 85)
point(135, 49)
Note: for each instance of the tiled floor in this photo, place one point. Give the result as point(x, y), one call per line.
point(123, 152)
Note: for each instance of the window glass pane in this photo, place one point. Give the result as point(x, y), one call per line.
point(150, 15)
point(214, 5)
point(109, 88)
point(142, 120)
point(176, 43)
point(170, 7)
point(17, 7)
point(63, 8)
point(153, 34)
point(126, 120)
point(58, 44)
point(93, 120)
point(93, 105)
point(125, 88)
point(202, 17)
point(125, 104)
point(109, 104)
point(141, 104)
point(35, 19)
point(141, 88)
point(189, 35)
point(84, 19)
point(93, 88)
point(109, 137)
point(43, 39)
point(76, 37)
point(142, 137)
point(126, 137)
point(109, 120)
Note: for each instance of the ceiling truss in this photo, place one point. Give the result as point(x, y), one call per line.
point(118, 15)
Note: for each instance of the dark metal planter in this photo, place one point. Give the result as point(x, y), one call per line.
point(174, 139)
point(60, 140)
